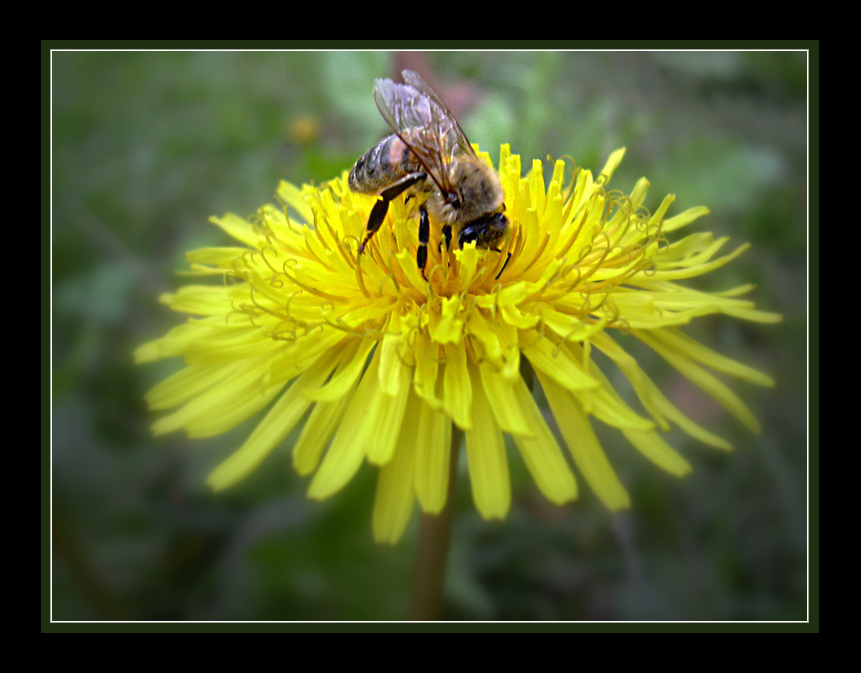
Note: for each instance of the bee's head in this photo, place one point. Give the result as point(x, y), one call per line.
point(485, 231)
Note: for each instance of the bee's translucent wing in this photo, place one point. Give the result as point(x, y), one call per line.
point(456, 139)
point(423, 122)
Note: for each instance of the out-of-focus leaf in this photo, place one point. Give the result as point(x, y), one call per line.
point(348, 78)
point(723, 174)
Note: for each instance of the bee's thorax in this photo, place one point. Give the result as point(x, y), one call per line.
point(477, 192)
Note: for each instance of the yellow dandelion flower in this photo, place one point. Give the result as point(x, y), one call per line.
point(383, 364)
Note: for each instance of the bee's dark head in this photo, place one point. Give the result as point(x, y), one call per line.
point(485, 231)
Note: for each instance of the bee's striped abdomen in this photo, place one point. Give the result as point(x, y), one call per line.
point(383, 165)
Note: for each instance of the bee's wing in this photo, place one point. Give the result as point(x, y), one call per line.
point(456, 140)
point(423, 122)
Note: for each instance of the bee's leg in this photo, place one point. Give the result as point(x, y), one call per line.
point(378, 214)
point(424, 237)
point(446, 232)
point(507, 259)
point(486, 232)
point(381, 207)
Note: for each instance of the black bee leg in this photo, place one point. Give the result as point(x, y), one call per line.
point(381, 207)
point(503, 266)
point(424, 237)
point(378, 214)
point(446, 232)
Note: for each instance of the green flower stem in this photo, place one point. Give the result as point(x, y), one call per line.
point(432, 550)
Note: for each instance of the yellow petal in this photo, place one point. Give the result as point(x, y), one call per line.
point(541, 453)
point(504, 402)
point(584, 446)
point(292, 196)
point(612, 164)
point(345, 378)
point(272, 429)
point(391, 364)
point(605, 402)
point(316, 433)
point(395, 498)
point(241, 229)
point(681, 343)
point(446, 326)
point(433, 454)
point(457, 388)
point(485, 450)
point(700, 377)
point(680, 220)
point(188, 383)
point(352, 439)
point(661, 409)
point(653, 447)
point(556, 363)
point(222, 407)
point(385, 423)
point(426, 370)
point(200, 300)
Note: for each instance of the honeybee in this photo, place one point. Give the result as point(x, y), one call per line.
point(428, 155)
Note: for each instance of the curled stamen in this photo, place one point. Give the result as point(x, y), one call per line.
point(347, 249)
point(261, 309)
point(360, 280)
point(576, 282)
point(389, 275)
point(407, 348)
point(397, 286)
point(365, 331)
point(288, 335)
point(263, 251)
point(288, 302)
point(429, 286)
point(587, 308)
point(643, 214)
point(247, 260)
point(313, 290)
point(340, 247)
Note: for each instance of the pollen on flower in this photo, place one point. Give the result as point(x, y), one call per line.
point(384, 361)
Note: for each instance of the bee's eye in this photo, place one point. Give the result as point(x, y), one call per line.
point(452, 199)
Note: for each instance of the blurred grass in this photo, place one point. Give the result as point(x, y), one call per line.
point(148, 145)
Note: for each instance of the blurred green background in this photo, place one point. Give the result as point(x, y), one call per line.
point(148, 145)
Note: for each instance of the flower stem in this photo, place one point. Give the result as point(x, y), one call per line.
point(432, 550)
